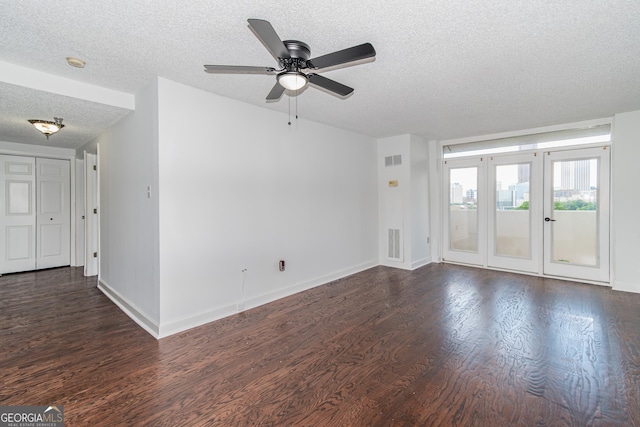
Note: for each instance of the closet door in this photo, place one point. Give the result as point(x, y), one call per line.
point(17, 214)
point(53, 213)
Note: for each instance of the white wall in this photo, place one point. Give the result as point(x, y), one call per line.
point(395, 201)
point(240, 189)
point(420, 247)
point(406, 206)
point(129, 269)
point(435, 201)
point(625, 209)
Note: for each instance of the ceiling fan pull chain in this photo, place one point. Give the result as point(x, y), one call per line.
point(289, 111)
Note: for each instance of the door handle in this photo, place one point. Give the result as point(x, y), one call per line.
point(547, 219)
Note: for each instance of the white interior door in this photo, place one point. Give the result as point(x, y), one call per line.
point(53, 220)
point(514, 207)
point(464, 217)
point(17, 214)
point(576, 214)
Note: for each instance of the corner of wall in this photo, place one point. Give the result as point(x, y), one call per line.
point(404, 201)
point(130, 309)
point(625, 151)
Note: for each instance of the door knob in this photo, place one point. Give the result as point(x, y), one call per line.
point(549, 219)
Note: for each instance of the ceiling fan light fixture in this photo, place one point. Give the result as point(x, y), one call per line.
point(47, 127)
point(292, 80)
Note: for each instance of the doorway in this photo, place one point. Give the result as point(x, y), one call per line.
point(542, 212)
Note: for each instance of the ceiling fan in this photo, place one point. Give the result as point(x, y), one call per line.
point(295, 68)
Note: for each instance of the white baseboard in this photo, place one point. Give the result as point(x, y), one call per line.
point(420, 263)
point(626, 286)
point(200, 319)
point(409, 266)
point(281, 293)
point(181, 325)
point(130, 309)
point(395, 264)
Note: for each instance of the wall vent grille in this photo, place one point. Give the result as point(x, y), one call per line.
point(394, 244)
point(395, 160)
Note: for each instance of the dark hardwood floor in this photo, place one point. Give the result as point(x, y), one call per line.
point(442, 345)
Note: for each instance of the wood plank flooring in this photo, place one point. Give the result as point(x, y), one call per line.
point(440, 346)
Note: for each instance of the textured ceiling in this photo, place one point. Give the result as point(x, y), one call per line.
point(443, 69)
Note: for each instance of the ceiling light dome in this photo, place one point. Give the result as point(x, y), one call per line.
point(47, 127)
point(292, 80)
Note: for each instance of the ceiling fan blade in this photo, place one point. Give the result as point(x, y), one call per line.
point(238, 69)
point(276, 92)
point(330, 85)
point(351, 54)
point(268, 36)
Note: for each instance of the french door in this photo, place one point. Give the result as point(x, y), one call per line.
point(465, 213)
point(536, 212)
point(576, 214)
point(514, 212)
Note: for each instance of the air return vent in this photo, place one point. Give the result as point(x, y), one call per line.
point(393, 160)
point(394, 244)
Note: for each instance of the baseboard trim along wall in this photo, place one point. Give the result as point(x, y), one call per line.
point(129, 309)
point(420, 263)
point(221, 312)
point(409, 266)
point(626, 286)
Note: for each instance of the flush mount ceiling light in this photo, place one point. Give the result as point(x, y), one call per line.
point(292, 80)
point(47, 127)
point(75, 62)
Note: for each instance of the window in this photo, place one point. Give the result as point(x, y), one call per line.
point(597, 134)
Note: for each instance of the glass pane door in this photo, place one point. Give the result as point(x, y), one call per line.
point(513, 235)
point(576, 220)
point(463, 216)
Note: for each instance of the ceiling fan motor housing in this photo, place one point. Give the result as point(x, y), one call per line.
point(298, 49)
point(299, 53)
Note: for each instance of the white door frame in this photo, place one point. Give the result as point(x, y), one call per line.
point(91, 232)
